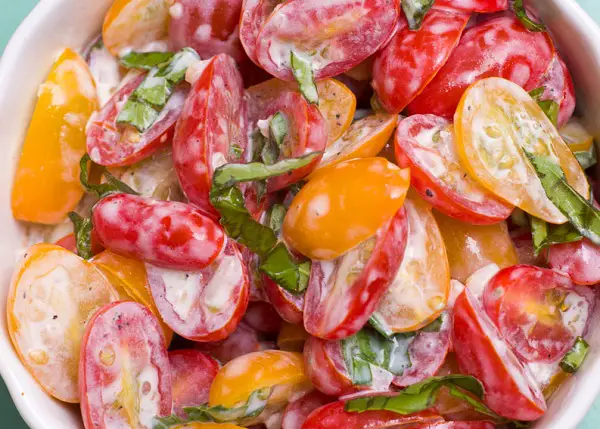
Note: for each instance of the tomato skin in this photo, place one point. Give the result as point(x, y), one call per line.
point(165, 233)
point(289, 306)
point(254, 15)
point(559, 87)
point(395, 79)
point(296, 412)
point(242, 341)
point(355, 304)
point(457, 425)
point(262, 317)
point(326, 369)
point(481, 6)
point(580, 261)
point(478, 349)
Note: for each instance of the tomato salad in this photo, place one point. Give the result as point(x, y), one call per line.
point(304, 214)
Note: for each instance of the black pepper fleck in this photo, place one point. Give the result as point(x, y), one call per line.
point(429, 193)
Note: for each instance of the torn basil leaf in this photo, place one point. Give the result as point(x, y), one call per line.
point(519, 218)
point(166, 422)
point(276, 216)
point(281, 267)
point(551, 109)
point(145, 60)
point(477, 405)
point(254, 406)
point(537, 93)
point(236, 152)
point(82, 229)
point(112, 185)
point(415, 11)
point(587, 158)
point(303, 72)
point(571, 362)
point(278, 128)
point(545, 235)
point(527, 22)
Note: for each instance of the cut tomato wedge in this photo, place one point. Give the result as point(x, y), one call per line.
point(289, 306)
point(254, 15)
point(296, 412)
point(580, 261)
point(558, 86)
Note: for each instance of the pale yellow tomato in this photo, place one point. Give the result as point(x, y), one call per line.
point(576, 136)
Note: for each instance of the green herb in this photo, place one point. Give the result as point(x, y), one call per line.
point(82, 229)
point(527, 22)
point(587, 158)
point(145, 60)
point(281, 267)
point(574, 358)
point(303, 72)
point(278, 127)
point(276, 216)
point(415, 11)
point(236, 152)
point(476, 404)
point(537, 93)
point(551, 108)
point(270, 152)
point(545, 235)
point(436, 325)
point(380, 326)
point(258, 142)
point(111, 186)
point(519, 218)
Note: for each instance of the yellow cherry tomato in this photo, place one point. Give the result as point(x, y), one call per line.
point(197, 425)
point(495, 123)
point(292, 337)
point(343, 205)
point(132, 24)
point(129, 279)
point(46, 185)
point(53, 294)
point(471, 247)
point(576, 136)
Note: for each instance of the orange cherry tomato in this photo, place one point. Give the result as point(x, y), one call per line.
point(576, 136)
point(46, 185)
point(343, 205)
point(53, 295)
point(495, 123)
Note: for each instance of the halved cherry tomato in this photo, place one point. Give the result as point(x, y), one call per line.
point(68, 242)
point(481, 6)
point(168, 234)
point(254, 15)
point(296, 412)
point(114, 145)
point(292, 337)
point(426, 145)
point(334, 37)
point(580, 261)
point(262, 317)
point(124, 375)
point(209, 27)
point(53, 294)
point(130, 25)
point(478, 281)
point(470, 247)
point(412, 58)
point(242, 341)
point(328, 218)
point(576, 136)
point(46, 185)
point(197, 425)
point(212, 130)
point(192, 373)
point(289, 306)
point(495, 123)
point(419, 292)
point(362, 72)
point(456, 425)
point(509, 388)
point(204, 305)
point(558, 86)
point(343, 294)
point(539, 312)
point(518, 54)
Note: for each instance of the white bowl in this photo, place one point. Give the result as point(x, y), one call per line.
point(55, 24)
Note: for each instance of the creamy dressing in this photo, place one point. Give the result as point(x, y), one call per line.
point(182, 289)
point(480, 278)
point(229, 271)
point(106, 72)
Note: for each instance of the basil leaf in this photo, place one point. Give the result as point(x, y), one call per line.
point(278, 127)
point(166, 422)
point(476, 404)
point(276, 216)
point(174, 70)
point(254, 406)
point(145, 60)
point(415, 11)
point(236, 152)
point(380, 326)
point(527, 22)
point(258, 142)
point(111, 186)
point(587, 158)
point(551, 108)
point(270, 152)
point(574, 358)
point(435, 326)
point(138, 114)
point(280, 266)
point(519, 218)
point(582, 215)
point(82, 228)
point(303, 72)
point(537, 93)
point(545, 235)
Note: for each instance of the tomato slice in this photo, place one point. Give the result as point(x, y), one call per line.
point(558, 86)
point(495, 122)
point(426, 145)
point(539, 312)
point(518, 54)
point(343, 294)
point(481, 6)
point(53, 294)
point(254, 15)
point(242, 341)
point(192, 373)
point(509, 388)
point(576, 136)
point(412, 58)
point(289, 306)
point(197, 425)
point(204, 305)
point(580, 261)
point(456, 425)
point(419, 291)
point(211, 131)
point(124, 375)
point(334, 37)
point(262, 317)
point(296, 412)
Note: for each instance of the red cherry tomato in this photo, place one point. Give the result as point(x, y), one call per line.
point(262, 317)
point(500, 47)
point(580, 261)
point(192, 373)
point(333, 36)
point(296, 412)
point(242, 341)
point(343, 293)
point(481, 6)
point(289, 306)
point(558, 86)
point(254, 15)
point(412, 58)
point(164, 233)
point(114, 145)
point(123, 365)
point(210, 27)
point(539, 312)
point(212, 130)
point(456, 425)
point(68, 242)
point(204, 305)
point(480, 351)
point(426, 144)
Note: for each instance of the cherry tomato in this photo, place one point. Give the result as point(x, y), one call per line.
point(192, 373)
point(242, 341)
point(364, 71)
point(53, 294)
point(130, 25)
point(419, 291)
point(212, 130)
point(334, 37)
point(495, 122)
point(124, 375)
point(509, 389)
point(558, 86)
point(262, 317)
point(539, 312)
point(518, 54)
point(289, 306)
point(412, 58)
point(296, 412)
point(167, 234)
point(46, 185)
point(523, 243)
point(292, 337)
point(456, 425)
point(343, 294)
point(197, 425)
point(576, 136)
point(204, 305)
point(254, 15)
point(580, 261)
point(470, 247)
point(481, 6)
point(327, 217)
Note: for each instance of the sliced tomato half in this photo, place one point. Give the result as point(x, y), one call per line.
point(580, 261)
point(481, 6)
point(296, 412)
point(289, 306)
point(558, 86)
point(254, 15)
point(456, 425)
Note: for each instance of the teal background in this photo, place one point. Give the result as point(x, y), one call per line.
point(12, 13)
